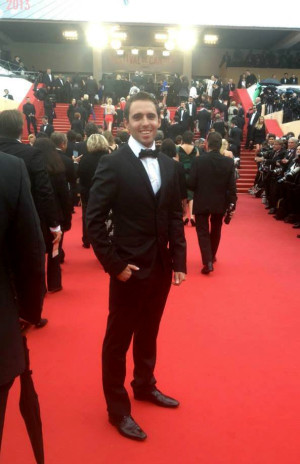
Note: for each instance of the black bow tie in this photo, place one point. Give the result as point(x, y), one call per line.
point(148, 153)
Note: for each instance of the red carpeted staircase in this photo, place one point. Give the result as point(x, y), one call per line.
point(247, 168)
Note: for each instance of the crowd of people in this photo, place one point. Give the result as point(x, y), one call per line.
point(133, 221)
point(263, 59)
point(130, 219)
point(277, 180)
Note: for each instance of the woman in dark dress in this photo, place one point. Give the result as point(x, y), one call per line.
point(259, 133)
point(186, 154)
point(97, 146)
point(56, 171)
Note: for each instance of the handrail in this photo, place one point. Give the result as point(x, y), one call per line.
point(14, 72)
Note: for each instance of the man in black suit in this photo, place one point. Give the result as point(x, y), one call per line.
point(11, 128)
point(45, 127)
point(212, 178)
point(192, 114)
point(59, 85)
point(293, 80)
point(140, 187)
point(252, 116)
point(48, 80)
point(29, 111)
point(235, 137)
point(285, 79)
point(22, 270)
point(183, 116)
point(204, 119)
point(7, 95)
point(250, 79)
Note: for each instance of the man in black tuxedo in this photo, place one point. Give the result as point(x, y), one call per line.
point(22, 270)
point(293, 80)
point(192, 114)
point(7, 95)
point(285, 79)
point(45, 127)
point(212, 178)
point(29, 111)
point(140, 187)
point(183, 116)
point(204, 119)
point(59, 85)
point(252, 116)
point(250, 79)
point(235, 137)
point(48, 80)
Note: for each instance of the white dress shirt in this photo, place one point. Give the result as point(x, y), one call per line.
point(150, 164)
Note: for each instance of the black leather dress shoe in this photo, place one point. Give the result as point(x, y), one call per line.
point(185, 221)
point(272, 211)
point(127, 427)
point(157, 397)
point(207, 268)
point(296, 225)
point(42, 322)
point(193, 222)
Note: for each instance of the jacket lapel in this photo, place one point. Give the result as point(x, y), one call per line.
point(139, 167)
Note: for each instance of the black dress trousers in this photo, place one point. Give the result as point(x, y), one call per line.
point(135, 310)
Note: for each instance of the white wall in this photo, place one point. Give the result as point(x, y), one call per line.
point(17, 87)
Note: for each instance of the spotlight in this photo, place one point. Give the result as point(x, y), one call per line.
point(186, 38)
point(120, 52)
point(70, 35)
point(116, 44)
point(134, 51)
point(159, 36)
point(166, 53)
point(97, 36)
point(211, 39)
point(169, 45)
point(150, 52)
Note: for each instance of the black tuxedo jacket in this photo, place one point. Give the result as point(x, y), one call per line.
point(47, 130)
point(41, 188)
point(183, 115)
point(293, 80)
point(194, 110)
point(212, 178)
point(47, 81)
point(235, 136)
point(204, 118)
point(146, 226)
point(22, 264)
point(28, 109)
point(284, 80)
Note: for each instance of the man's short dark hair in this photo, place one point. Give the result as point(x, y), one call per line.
point(58, 138)
point(11, 124)
point(188, 137)
point(45, 117)
point(214, 141)
point(123, 136)
point(91, 128)
point(144, 96)
point(168, 147)
point(71, 136)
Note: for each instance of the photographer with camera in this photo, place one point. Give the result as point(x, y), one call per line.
point(212, 178)
point(274, 171)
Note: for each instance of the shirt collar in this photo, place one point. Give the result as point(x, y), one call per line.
point(136, 146)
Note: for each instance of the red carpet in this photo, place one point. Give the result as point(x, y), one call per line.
point(228, 350)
